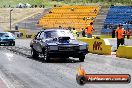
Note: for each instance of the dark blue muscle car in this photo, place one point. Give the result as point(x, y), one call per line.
point(57, 43)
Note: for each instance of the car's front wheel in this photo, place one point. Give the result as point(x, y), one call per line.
point(46, 55)
point(34, 54)
point(12, 43)
point(81, 58)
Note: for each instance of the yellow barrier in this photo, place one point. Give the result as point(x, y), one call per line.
point(124, 52)
point(98, 46)
point(21, 33)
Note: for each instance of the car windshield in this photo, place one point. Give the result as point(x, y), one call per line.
point(3, 34)
point(6, 34)
point(66, 33)
point(59, 33)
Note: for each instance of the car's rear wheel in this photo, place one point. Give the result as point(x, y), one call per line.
point(46, 55)
point(81, 58)
point(34, 54)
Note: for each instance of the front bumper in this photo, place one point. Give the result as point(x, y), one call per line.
point(57, 53)
point(6, 42)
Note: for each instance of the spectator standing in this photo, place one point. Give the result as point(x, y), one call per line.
point(74, 32)
point(84, 18)
point(83, 32)
point(16, 27)
point(124, 34)
point(89, 30)
point(128, 33)
point(95, 10)
point(72, 9)
point(120, 35)
point(69, 28)
point(113, 33)
point(60, 27)
point(88, 18)
point(113, 30)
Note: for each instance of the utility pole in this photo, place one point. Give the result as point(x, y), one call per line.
point(10, 18)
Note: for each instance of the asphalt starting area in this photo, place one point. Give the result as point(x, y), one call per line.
point(30, 73)
point(25, 43)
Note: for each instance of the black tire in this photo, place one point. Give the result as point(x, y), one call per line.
point(81, 58)
point(34, 54)
point(46, 55)
point(9, 43)
point(12, 43)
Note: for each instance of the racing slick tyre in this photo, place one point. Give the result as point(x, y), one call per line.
point(81, 58)
point(34, 54)
point(46, 55)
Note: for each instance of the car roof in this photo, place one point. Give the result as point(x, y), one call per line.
point(5, 32)
point(52, 30)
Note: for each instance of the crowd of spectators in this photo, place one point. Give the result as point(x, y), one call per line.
point(127, 31)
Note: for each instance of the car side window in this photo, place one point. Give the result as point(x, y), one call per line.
point(38, 35)
point(6, 34)
point(42, 35)
point(47, 34)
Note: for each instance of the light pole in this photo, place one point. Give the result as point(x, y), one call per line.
point(10, 18)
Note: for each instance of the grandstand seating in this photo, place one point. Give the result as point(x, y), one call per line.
point(118, 15)
point(69, 16)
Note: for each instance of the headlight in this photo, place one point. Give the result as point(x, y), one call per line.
point(53, 47)
point(82, 47)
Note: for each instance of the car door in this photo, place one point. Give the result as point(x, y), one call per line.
point(37, 42)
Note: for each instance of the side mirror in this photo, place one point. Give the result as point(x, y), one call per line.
point(39, 39)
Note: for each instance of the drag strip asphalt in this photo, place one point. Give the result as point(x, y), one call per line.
point(26, 72)
point(20, 70)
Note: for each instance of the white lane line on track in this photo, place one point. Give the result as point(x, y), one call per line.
point(6, 81)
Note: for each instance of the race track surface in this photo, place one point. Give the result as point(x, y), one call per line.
point(22, 71)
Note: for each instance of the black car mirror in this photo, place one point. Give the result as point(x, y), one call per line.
point(39, 39)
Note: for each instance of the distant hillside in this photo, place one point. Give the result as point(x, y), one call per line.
point(50, 3)
point(18, 15)
point(15, 2)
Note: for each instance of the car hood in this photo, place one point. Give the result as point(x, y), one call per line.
point(7, 38)
point(70, 42)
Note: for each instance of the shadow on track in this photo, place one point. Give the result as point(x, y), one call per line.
point(21, 51)
point(55, 60)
